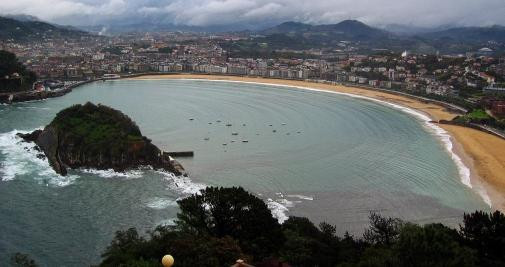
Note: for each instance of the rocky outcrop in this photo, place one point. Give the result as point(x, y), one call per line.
point(99, 137)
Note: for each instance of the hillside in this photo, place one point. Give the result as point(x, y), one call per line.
point(469, 34)
point(31, 30)
point(296, 35)
point(347, 30)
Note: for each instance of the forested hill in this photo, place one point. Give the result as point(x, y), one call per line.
point(32, 30)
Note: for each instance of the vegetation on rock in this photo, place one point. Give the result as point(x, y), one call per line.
point(97, 136)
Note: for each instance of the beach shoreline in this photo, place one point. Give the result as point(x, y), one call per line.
point(483, 154)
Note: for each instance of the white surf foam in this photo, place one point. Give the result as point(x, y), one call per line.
point(280, 206)
point(182, 184)
point(443, 136)
point(167, 222)
point(279, 211)
point(301, 197)
point(20, 158)
point(159, 203)
point(110, 173)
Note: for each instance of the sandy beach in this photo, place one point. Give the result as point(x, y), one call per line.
point(483, 153)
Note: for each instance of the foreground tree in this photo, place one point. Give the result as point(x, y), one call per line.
point(382, 231)
point(220, 212)
point(432, 245)
point(129, 249)
point(485, 232)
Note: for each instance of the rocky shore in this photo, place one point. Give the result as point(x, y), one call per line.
point(9, 98)
point(98, 137)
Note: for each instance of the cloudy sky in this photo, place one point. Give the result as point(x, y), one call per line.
point(423, 13)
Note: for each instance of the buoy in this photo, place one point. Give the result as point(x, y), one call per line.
point(167, 261)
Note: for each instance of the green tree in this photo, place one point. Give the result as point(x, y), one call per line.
point(233, 212)
point(382, 231)
point(306, 245)
point(22, 260)
point(485, 232)
point(432, 245)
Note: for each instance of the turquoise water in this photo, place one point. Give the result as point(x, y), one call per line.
point(331, 158)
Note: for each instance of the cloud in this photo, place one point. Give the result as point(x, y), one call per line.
point(251, 12)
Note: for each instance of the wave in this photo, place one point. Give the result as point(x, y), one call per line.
point(159, 203)
point(167, 222)
point(281, 205)
point(110, 173)
point(21, 159)
point(182, 184)
point(441, 134)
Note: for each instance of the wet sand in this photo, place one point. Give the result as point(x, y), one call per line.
point(483, 153)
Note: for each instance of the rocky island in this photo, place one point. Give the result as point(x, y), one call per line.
point(98, 137)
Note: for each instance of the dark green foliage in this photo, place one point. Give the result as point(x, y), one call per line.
point(232, 212)
point(97, 128)
point(432, 245)
point(306, 245)
point(382, 231)
point(215, 229)
point(22, 260)
point(165, 50)
point(485, 232)
point(9, 65)
point(128, 249)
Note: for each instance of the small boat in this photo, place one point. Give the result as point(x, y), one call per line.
point(274, 131)
point(206, 139)
point(191, 119)
point(234, 133)
point(224, 144)
point(283, 124)
point(229, 124)
point(245, 141)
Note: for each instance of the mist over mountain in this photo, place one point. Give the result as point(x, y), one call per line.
point(258, 14)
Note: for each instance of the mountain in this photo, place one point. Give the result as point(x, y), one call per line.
point(470, 35)
point(31, 30)
point(349, 30)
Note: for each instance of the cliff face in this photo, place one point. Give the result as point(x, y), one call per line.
point(99, 137)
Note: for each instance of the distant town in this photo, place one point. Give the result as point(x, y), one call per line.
point(470, 80)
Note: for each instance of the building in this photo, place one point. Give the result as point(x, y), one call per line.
point(498, 107)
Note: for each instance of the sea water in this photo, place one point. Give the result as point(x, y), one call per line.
point(329, 157)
